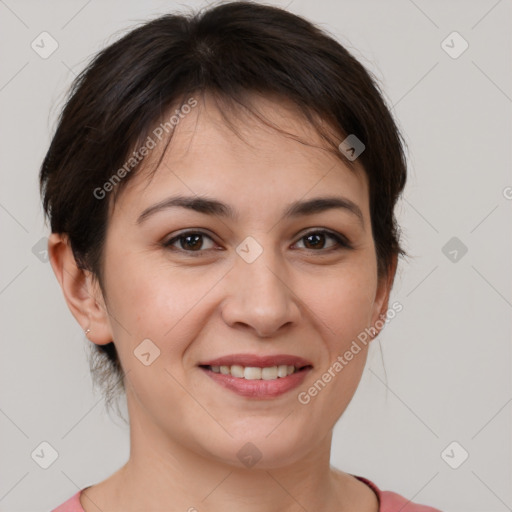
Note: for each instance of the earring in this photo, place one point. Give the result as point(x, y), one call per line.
point(87, 331)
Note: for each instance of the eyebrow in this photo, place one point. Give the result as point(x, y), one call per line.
point(210, 206)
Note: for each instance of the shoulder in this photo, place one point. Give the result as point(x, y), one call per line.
point(71, 505)
point(391, 501)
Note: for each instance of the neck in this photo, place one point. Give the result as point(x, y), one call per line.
point(164, 474)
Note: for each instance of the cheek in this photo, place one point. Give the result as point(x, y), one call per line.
point(342, 303)
point(342, 310)
point(159, 301)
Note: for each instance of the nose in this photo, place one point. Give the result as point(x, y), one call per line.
point(260, 296)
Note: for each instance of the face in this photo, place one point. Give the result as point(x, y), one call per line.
point(204, 282)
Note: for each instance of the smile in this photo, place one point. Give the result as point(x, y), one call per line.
point(254, 372)
point(256, 382)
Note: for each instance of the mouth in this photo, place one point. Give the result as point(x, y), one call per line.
point(256, 376)
point(255, 372)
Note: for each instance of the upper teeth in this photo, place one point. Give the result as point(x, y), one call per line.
point(254, 373)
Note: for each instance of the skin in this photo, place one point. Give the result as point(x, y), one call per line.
point(298, 297)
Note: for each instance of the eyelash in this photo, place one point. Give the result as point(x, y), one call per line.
point(341, 241)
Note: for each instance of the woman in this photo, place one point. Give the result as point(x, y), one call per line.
point(221, 191)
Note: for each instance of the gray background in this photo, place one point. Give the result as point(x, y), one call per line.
point(447, 355)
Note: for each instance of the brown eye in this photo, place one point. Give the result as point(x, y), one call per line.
point(190, 241)
point(316, 240)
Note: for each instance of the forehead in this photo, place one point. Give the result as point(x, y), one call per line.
point(237, 157)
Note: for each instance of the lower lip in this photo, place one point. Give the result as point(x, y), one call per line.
point(259, 388)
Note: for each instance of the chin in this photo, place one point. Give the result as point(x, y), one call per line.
point(257, 449)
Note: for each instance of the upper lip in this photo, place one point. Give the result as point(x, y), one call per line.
point(257, 361)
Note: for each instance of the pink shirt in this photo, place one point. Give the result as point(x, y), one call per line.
point(389, 501)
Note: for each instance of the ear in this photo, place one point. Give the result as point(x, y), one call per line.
point(82, 293)
point(384, 286)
